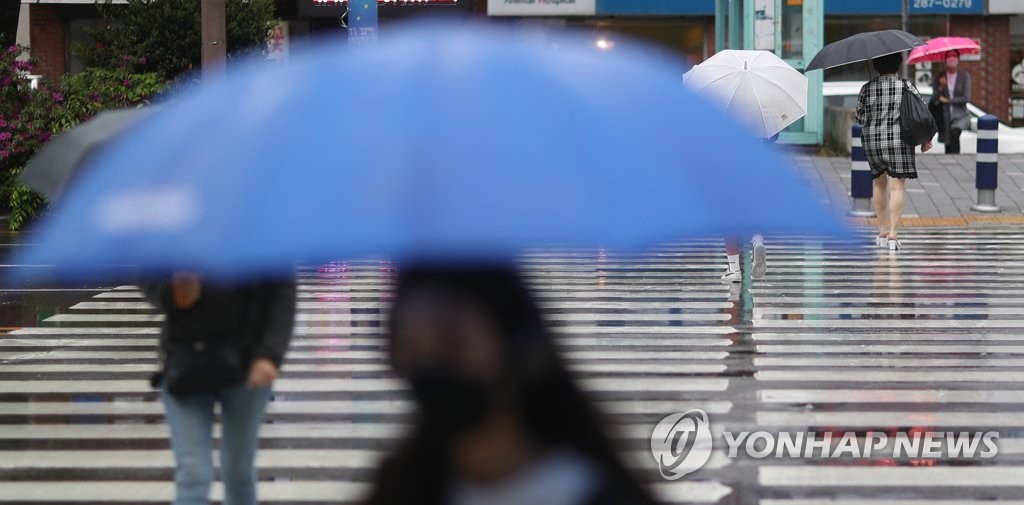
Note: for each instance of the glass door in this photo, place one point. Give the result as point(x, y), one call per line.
point(794, 30)
point(799, 36)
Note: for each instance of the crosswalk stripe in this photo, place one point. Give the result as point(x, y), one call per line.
point(889, 395)
point(846, 476)
point(885, 362)
point(932, 376)
point(850, 419)
point(891, 349)
point(362, 406)
point(294, 385)
point(884, 337)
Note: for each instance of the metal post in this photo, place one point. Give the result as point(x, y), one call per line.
point(721, 7)
point(362, 22)
point(987, 165)
point(860, 176)
point(735, 19)
point(214, 39)
point(905, 26)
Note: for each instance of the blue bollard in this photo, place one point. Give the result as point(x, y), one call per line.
point(860, 176)
point(986, 176)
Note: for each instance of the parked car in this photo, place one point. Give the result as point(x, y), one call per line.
point(1011, 140)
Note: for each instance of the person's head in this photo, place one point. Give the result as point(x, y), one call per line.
point(952, 59)
point(888, 64)
point(473, 345)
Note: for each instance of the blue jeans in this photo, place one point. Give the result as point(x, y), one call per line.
point(191, 423)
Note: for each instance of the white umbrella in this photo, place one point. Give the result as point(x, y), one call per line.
point(756, 87)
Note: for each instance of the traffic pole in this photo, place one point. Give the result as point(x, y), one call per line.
point(860, 176)
point(214, 39)
point(986, 175)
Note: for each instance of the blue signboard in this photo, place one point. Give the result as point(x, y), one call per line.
point(832, 7)
point(362, 22)
point(895, 6)
point(656, 7)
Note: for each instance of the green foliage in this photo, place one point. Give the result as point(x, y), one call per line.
point(29, 118)
point(139, 47)
point(166, 37)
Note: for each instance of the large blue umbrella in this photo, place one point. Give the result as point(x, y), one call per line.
point(442, 140)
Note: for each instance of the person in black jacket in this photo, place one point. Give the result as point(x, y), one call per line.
point(220, 343)
point(500, 418)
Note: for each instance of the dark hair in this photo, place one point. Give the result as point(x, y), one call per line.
point(888, 64)
point(957, 51)
point(554, 411)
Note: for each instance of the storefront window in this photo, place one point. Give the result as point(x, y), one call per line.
point(77, 33)
point(792, 30)
point(1016, 70)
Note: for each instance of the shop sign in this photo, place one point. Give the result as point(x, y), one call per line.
point(541, 7)
point(1017, 76)
point(942, 7)
point(923, 74)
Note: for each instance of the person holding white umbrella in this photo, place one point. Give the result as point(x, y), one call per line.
point(766, 94)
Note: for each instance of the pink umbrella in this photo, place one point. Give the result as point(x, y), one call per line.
point(935, 49)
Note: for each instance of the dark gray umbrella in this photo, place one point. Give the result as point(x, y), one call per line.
point(863, 47)
point(50, 169)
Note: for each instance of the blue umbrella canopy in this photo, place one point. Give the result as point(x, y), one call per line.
point(444, 141)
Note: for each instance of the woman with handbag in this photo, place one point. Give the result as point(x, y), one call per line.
point(891, 158)
point(220, 343)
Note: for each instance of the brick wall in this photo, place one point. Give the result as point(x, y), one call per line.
point(46, 39)
point(709, 37)
point(990, 77)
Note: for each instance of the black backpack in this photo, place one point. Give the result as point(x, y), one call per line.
point(917, 125)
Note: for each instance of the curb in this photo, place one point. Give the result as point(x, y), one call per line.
point(930, 222)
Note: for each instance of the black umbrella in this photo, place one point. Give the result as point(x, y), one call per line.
point(863, 47)
point(50, 169)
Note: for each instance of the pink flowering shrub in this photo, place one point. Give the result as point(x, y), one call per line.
point(30, 117)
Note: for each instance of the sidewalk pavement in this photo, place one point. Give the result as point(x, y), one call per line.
point(941, 196)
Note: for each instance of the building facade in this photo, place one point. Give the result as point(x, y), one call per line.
point(688, 28)
point(684, 27)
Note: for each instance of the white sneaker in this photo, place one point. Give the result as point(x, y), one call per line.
point(882, 242)
point(760, 261)
point(894, 245)
point(732, 276)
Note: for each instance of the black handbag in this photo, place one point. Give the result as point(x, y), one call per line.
point(917, 126)
point(203, 366)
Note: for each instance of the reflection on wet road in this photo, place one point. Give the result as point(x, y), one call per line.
point(834, 340)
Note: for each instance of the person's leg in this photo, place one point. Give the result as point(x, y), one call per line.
point(896, 196)
point(242, 412)
point(191, 423)
point(879, 197)
point(954, 141)
point(732, 253)
point(760, 257)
